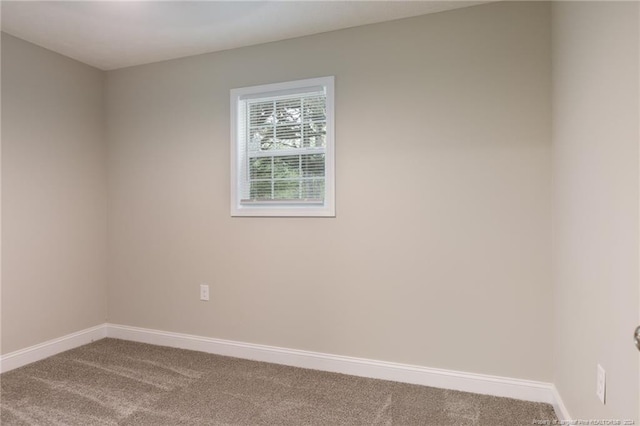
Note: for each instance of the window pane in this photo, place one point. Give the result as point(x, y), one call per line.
point(314, 109)
point(261, 113)
point(312, 165)
point(286, 189)
point(260, 168)
point(261, 138)
point(260, 190)
point(313, 189)
point(288, 136)
point(315, 135)
point(286, 167)
point(289, 111)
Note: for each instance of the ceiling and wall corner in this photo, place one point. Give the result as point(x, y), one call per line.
point(116, 34)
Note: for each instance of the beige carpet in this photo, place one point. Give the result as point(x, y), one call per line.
point(114, 382)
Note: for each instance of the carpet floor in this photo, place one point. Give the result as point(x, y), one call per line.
point(116, 382)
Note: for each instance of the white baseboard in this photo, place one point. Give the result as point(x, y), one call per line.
point(446, 379)
point(469, 382)
point(51, 347)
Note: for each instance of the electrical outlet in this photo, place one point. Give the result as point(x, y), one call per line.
point(601, 387)
point(204, 292)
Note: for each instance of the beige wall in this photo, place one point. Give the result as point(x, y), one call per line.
point(53, 196)
point(595, 150)
point(440, 251)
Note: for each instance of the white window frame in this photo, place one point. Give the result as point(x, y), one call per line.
point(279, 208)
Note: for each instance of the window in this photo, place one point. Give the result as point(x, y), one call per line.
point(282, 156)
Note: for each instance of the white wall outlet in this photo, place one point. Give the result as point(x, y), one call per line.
point(601, 386)
point(204, 292)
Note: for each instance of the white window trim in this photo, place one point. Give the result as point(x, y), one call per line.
point(283, 209)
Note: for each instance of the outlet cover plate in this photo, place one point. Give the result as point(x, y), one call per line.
point(204, 292)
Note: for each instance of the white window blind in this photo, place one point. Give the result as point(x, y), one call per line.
point(283, 148)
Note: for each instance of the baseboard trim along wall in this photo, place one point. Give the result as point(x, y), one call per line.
point(52, 347)
point(446, 379)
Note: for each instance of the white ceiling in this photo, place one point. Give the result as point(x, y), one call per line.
point(116, 34)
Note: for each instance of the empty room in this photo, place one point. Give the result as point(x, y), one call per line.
point(320, 213)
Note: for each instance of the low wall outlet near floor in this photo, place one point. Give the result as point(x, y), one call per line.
point(601, 384)
point(204, 292)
